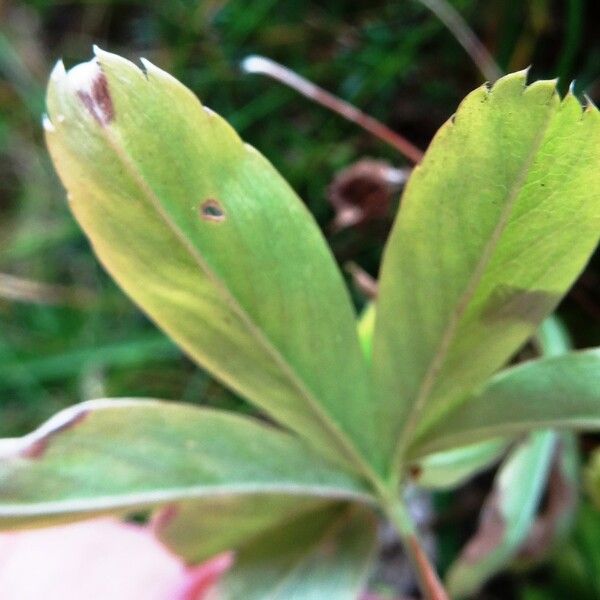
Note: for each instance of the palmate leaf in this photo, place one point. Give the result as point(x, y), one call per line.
point(495, 225)
point(555, 392)
point(323, 554)
point(119, 456)
point(204, 234)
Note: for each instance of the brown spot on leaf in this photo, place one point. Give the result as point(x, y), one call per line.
point(211, 210)
point(97, 99)
point(508, 303)
point(38, 446)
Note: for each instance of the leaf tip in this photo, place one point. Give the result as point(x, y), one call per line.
point(543, 91)
point(523, 73)
point(58, 72)
point(88, 82)
point(146, 66)
point(518, 83)
point(155, 74)
point(510, 84)
point(590, 105)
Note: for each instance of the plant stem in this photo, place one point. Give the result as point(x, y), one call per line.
point(266, 66)
point(429, 582)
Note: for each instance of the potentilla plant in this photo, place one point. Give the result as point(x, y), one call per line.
point(209, 240)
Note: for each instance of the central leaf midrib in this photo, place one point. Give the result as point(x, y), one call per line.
point(109, 502)
point(437, 362)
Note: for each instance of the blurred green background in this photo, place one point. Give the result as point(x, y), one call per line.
point(67, 333)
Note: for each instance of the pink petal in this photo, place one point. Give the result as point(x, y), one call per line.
point(101, 559)
point(199, 580)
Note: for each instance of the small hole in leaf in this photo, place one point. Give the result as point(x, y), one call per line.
point(211, 210)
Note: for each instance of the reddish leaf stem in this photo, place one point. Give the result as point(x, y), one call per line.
point(429, 582)
point(431, 586)
point(266, 66)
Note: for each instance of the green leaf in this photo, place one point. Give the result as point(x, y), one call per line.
point(507, 516)
point(365, 328)
point(556, 392)
point(452, 468)
point(514, 527)
point(198, 529)
point(517, 526)
point(204, 234)
point(324, 554)
point(558, 510)
point(114, 456)
point(553, 338)
point(495, 225)
point(442, 470)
